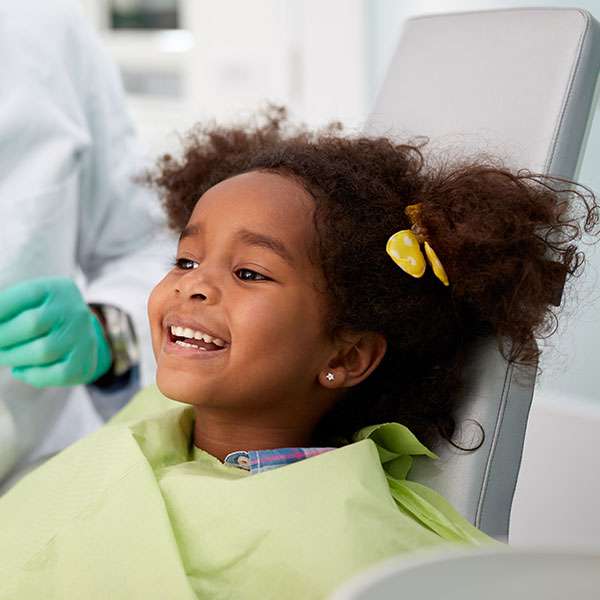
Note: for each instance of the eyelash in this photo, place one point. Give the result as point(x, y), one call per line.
point(178, 264)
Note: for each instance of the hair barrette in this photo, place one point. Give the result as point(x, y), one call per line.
point(404, 248)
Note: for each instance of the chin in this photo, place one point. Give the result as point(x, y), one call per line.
point(177, 387)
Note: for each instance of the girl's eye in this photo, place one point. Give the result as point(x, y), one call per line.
point(185, 264)
point(248, 275)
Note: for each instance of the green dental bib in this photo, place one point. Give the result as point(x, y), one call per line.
point(134, 511)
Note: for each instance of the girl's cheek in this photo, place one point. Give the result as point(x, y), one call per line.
point(153, 301)
point(155, 313)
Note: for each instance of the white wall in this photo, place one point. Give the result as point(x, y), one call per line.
point(556, 500)
point(309, 56)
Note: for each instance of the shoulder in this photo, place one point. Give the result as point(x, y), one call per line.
point(95, 505)
point(50, 500)
point(48, 43)
point(91, 484)
point(51, 19)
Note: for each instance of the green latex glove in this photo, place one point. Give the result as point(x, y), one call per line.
point(49, 335)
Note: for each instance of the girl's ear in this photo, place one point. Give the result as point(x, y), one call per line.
point(356, 358)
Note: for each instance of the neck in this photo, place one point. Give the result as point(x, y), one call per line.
point(220, 434)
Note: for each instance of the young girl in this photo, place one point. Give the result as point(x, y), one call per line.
point(315, 320)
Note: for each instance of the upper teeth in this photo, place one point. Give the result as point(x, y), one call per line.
point(197, 335)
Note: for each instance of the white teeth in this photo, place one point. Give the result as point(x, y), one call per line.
point(186, 345)
point(187, 332)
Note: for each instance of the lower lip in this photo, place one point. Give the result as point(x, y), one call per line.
point(171, 347)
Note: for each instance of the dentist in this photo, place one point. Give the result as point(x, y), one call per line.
point(69, 212)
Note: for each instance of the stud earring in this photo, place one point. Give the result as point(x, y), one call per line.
point(330, 376)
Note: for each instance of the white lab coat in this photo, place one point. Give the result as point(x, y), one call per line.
point(68, 205)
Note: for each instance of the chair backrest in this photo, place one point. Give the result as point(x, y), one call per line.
point(493, 574)
point(518, 84)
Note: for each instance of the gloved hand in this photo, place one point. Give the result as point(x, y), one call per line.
point(49, 336)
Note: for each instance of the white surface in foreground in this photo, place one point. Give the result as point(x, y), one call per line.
point(493, 574)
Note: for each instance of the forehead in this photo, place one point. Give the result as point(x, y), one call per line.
point(267, 203)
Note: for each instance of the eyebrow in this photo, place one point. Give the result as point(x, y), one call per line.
point(189, 231)
point(249, 238)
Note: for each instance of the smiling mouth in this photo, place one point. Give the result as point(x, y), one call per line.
point(198, 345)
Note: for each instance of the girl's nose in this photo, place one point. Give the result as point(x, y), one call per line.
point(196, 285)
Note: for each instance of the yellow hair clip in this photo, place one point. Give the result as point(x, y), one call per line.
point(403, 247)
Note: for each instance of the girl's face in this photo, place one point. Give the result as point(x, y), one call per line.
point(243, 276)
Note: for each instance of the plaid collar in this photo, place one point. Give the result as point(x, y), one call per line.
point(257, 461)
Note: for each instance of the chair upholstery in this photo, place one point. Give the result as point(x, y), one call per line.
point(518, 84)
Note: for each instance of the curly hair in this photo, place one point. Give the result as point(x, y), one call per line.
point(505, 240)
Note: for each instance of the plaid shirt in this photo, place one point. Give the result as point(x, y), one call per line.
point(257, 461)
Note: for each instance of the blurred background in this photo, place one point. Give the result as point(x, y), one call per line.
point(184, 61)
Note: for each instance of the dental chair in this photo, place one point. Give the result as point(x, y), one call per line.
point(518, 84)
